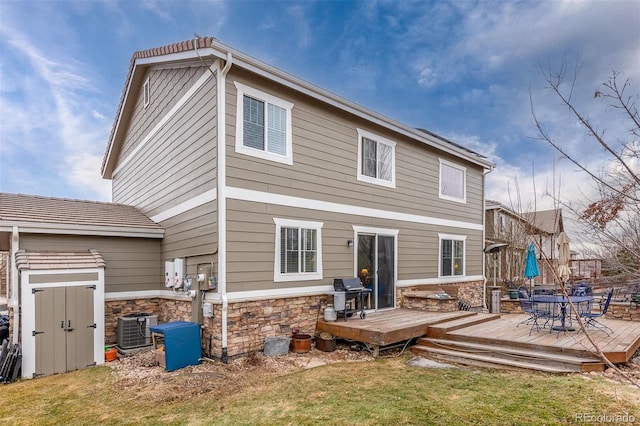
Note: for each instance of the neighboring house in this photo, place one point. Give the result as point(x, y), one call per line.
point(265, 188)
point(505, 226)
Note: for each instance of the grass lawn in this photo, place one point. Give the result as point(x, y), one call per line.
point(377, 392)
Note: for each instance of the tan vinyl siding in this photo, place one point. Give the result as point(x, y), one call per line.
point(132, 264)
point(167, 86)
point(179, 162)
point(251, 245)
point(62, 278)
point(192, 233)
point(325, 155)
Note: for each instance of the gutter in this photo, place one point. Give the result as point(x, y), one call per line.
point(484, 236)
point(222, 197)
point(15, 300)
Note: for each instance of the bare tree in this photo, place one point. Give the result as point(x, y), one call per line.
point(612, 217)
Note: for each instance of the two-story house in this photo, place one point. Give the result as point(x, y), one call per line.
point(503, 225)
point(266, 188)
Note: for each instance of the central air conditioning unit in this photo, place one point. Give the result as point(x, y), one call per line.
point(133, 330)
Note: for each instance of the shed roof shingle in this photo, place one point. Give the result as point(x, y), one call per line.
point(58, 260)
point(20, 208)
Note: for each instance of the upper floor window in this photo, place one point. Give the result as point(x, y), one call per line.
point(263, 125)
point(451, 255)
point(376, 159)
point(146, 93)
point(453, 182)
point(298, 250)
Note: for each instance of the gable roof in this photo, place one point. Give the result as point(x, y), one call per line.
point(203, 47)
point(58, 260)
point(33, 213)
point(522, 217)
point(549, 221)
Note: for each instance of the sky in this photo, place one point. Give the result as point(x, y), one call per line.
point(466, 70)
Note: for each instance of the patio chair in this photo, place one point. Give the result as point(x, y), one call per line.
point(523, 293)
point(591, 318)
point(535, 314)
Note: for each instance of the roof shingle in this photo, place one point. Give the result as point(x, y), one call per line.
point(48, 210)
point(58, 260)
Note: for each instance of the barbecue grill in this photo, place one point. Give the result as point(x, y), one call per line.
point(345, 290)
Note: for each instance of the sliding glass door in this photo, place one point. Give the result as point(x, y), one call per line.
point(376, 268)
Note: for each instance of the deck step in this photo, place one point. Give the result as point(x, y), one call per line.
point(583, 362)
point(490, 361)
point(438, 330)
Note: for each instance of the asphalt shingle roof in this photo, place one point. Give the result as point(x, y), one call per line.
point(20, 208)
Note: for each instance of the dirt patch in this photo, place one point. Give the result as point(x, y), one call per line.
point(141, 372)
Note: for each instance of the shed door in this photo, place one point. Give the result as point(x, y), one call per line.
point(64, 329)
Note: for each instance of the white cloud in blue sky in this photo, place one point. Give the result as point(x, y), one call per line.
point(461, 69)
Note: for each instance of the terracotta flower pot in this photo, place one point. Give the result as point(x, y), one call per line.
point(110, 354)
point(300, 343)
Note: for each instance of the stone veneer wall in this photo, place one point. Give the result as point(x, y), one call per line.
point(623, 311)
point(249, 322)
point(469, 291)
point(510, 306)
point(166, 309)
point(115, 309)
point(426, 302)
point(4, 284)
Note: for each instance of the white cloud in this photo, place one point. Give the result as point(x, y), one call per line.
point(82, 174)
point(300, 22)
point(55, 117)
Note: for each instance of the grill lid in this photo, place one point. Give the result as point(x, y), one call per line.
point(346, 284)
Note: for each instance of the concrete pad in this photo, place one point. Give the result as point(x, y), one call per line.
point(427, 363)
point(315, 362)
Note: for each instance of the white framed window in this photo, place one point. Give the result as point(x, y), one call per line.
point(452, 255)
point(453, 182)
point(263, 125)
point(376, 159)
point(298, 250)
point(146, 93)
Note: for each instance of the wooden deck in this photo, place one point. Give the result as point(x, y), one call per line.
point(490, 339)
point(388, 327)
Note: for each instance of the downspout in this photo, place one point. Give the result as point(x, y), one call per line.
point(222, 199)
point(484, 237)
point(15, 299)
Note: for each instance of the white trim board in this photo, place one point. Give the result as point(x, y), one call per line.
point(145, 294)
point(306, 203)
point(25, 227)
point(185, 206)
point(236, 296)
point(233, 296)
point(437, 281)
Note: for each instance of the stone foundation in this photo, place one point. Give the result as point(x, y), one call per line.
point(510, 306)
point(471, 292)
point(426, 301)
point(166, 309)
point(623, 311)
point(249, 322)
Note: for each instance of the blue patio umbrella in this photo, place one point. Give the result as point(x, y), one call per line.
point(531, 267)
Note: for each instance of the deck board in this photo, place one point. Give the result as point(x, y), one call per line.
point(397, 325)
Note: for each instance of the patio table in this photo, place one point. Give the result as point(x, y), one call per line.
point(562, 301)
